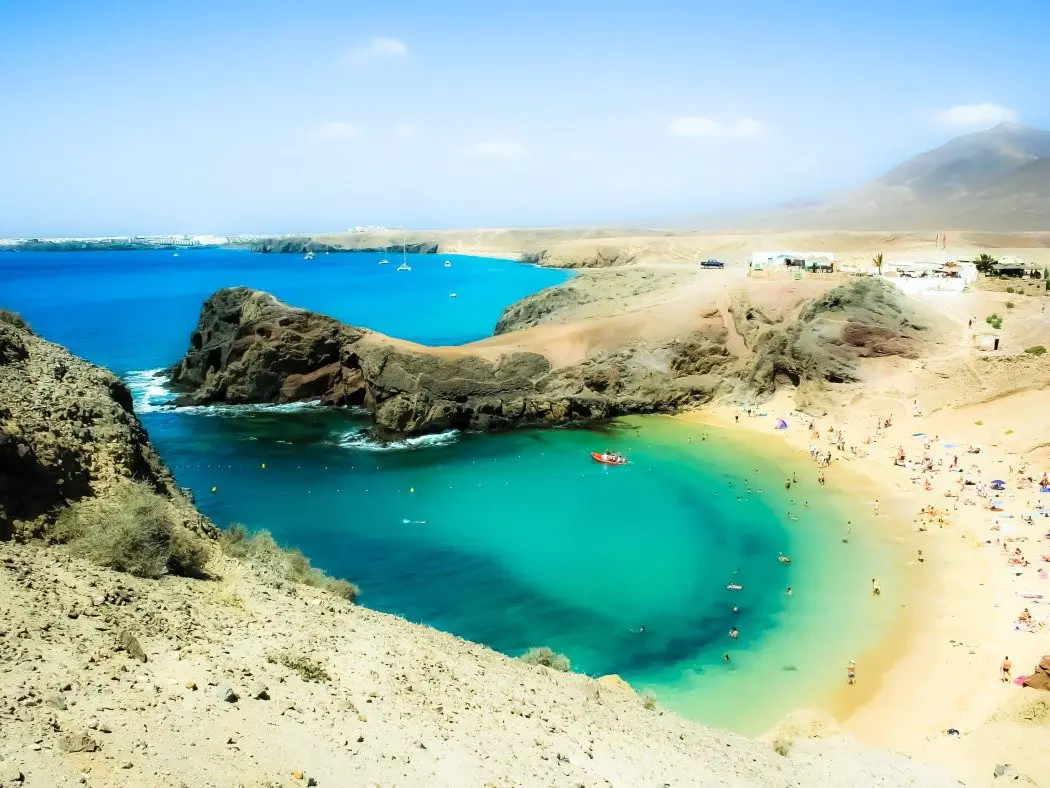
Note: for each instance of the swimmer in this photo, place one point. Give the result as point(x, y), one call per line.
point(734, 633)
point(725, 658)
point(789, 592)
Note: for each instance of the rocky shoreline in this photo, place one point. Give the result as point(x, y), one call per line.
point(248, 347)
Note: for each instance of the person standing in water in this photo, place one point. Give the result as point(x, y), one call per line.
point(876, 589)
point(851, 672)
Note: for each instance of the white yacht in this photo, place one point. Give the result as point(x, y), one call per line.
point(448, 264)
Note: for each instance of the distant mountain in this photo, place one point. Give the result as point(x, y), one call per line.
point(997, 180)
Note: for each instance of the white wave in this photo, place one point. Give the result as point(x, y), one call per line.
point(362, 441)
point(240, 410)
point(149, 391)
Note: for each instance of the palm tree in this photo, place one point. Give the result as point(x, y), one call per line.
point(877, 259)
point(985, 263)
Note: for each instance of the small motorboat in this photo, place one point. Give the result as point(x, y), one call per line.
point(734, 587)
point(784, 559)
point(309, 256)
point(448, 264)
point(384, 261)
point(451, 295)
point(404, 267)
point(608, 458)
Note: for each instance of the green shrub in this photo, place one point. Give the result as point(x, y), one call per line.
point(281, 563)
point(1009, 290)
point(543, 655)
point(1009, 432)
point(979, 423)
point(782, 745)
point(308, 669)
point(132, 529)
point(1009, 304)
point(14, 319)
point(648, 701)
point(1036, 350)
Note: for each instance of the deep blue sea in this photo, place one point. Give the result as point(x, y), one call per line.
point(513, 540)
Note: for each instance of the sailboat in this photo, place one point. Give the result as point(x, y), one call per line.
point(404, 256)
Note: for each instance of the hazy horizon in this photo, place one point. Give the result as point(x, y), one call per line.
point(249, 117)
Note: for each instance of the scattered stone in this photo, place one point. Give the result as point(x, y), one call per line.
point(10, 775)
point(259, 691)
point(191, 685)
point(78, 742)
point(130, 643)
point(56, 701)
point(227, 694)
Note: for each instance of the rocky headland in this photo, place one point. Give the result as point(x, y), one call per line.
point(248, 347)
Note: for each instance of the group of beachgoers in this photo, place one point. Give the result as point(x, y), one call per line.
point(941, 466)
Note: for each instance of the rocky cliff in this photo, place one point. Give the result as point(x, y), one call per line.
point(826, 338)
point(67, 432)
point(250, 347)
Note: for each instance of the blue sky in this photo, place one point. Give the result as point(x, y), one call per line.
point(273, 116)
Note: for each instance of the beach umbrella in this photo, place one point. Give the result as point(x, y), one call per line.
point(996, 502)
point(998, 481)
point(781, 424)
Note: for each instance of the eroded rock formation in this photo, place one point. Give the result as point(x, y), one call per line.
point(250, 347)
point(67, 431)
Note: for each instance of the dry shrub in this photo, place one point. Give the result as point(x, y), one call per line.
point(131, 529)
point(280, 563)
point(542, 655)
point(308, 669)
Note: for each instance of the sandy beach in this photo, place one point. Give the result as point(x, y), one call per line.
point(962, 590)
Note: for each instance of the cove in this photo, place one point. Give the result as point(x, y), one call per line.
point(513, 540)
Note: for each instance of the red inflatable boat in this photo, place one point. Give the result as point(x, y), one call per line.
point(608, 459)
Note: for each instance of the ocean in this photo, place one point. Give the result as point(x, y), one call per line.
point(513, 540)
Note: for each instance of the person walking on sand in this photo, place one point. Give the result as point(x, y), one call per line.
point(875, 507)
point(851, 672)
point(1005, 669)
point(876, 589)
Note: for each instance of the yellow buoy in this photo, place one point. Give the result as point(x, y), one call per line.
point(411, 489)
point(264, 466)
point(214, 489)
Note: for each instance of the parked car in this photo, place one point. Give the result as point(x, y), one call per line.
point(712, 264)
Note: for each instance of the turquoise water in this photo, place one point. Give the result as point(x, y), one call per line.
point(513, 540)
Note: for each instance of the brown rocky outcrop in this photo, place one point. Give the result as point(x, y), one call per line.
point(67, 431)
point(1040, 678)
point(249, 347)
point(823, 343)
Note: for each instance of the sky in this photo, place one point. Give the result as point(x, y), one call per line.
point(243, 117)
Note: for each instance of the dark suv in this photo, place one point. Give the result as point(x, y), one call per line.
point(712, 264)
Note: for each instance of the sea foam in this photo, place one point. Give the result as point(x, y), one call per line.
point(150, 393)
point(363, 441)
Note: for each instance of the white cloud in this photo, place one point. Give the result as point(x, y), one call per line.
point(378, 48)
point(497, 149)
point(403, 131)
point(335, 131)
point(974, 115)
point(693, 126)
